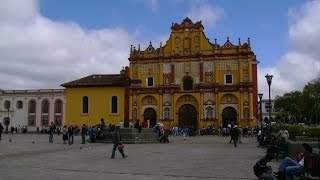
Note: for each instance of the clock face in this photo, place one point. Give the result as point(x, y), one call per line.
point(177, 41)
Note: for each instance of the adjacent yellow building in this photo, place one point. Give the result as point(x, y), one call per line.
point(94, 97)
point(188, 81)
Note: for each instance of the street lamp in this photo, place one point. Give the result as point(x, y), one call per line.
point(269, 80)
point(260, 109)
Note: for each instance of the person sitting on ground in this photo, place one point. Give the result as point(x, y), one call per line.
point(289, 166)
point(261, 170)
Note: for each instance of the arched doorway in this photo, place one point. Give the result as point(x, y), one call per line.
point(150, 114)
point(229, 115)
point(188, 116)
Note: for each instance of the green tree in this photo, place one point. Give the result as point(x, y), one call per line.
point(311, 98)
point(290, 104)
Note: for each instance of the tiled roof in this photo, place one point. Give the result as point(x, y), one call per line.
point(98, 80)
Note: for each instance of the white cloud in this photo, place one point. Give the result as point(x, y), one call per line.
point(36, 52)
point(304, 34)
point(18, 11)
point(208, 14)
point(302, 63)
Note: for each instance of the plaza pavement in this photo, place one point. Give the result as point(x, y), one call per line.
point(31, 156)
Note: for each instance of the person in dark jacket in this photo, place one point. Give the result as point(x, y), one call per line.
point(234, 135)
point(261, 170)
point(83, 133)
point(1, 130)
point(51, 131)
point(71, 131)
point(116, 142)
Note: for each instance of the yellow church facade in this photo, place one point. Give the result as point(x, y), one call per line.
point(188, 81)
point(192, 82)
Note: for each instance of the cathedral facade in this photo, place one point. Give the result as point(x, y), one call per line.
point(188, 81)
point(192, 82)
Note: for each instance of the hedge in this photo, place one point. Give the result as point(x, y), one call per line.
point(310, 131)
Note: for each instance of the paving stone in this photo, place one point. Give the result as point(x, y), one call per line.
point(202, 157)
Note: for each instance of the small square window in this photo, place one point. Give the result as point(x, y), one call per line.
point(150, 81)
point(228, 79)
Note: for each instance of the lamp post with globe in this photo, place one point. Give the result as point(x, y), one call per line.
point(269, 80)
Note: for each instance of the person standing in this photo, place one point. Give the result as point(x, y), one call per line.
point(137, 126)
point(71, 131)
point(283, 133)
point(240, 133)
point(51, 131)
point(116, 142)
point(1, 130)
point(64, 134)
point(83, 133)
point(103, 124)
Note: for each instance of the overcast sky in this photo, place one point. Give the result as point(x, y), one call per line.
point(45, 43)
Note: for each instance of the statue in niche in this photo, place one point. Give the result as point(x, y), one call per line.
point(229, 98)
point(135, 72)
point(167, 113)
point(209, 113)
point(134, 114)
point(166, 80)
point(246, 113)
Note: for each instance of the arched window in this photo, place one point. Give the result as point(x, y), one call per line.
point(32, 113)
point(19, 104)
point(85, 105)
point(7, 104)
point(58, 112)
point(45, 112)
point(187, 84)
point(114, 104)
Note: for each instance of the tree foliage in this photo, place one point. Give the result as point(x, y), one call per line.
point(300, 106)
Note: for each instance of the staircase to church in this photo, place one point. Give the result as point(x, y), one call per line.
point(131, 136)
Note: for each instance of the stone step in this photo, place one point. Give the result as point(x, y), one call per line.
point(131, 135)
point(130, 142)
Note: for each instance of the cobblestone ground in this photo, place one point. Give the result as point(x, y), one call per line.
point(31, 156)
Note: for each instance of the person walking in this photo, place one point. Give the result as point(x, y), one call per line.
point(1, 130)
point(83, 133)
point(51, 131)
point(234, 135)
point(116, 142)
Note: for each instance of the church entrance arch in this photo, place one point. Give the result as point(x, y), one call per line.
point(188, 116)
point(150, 114)
point(229, 116)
